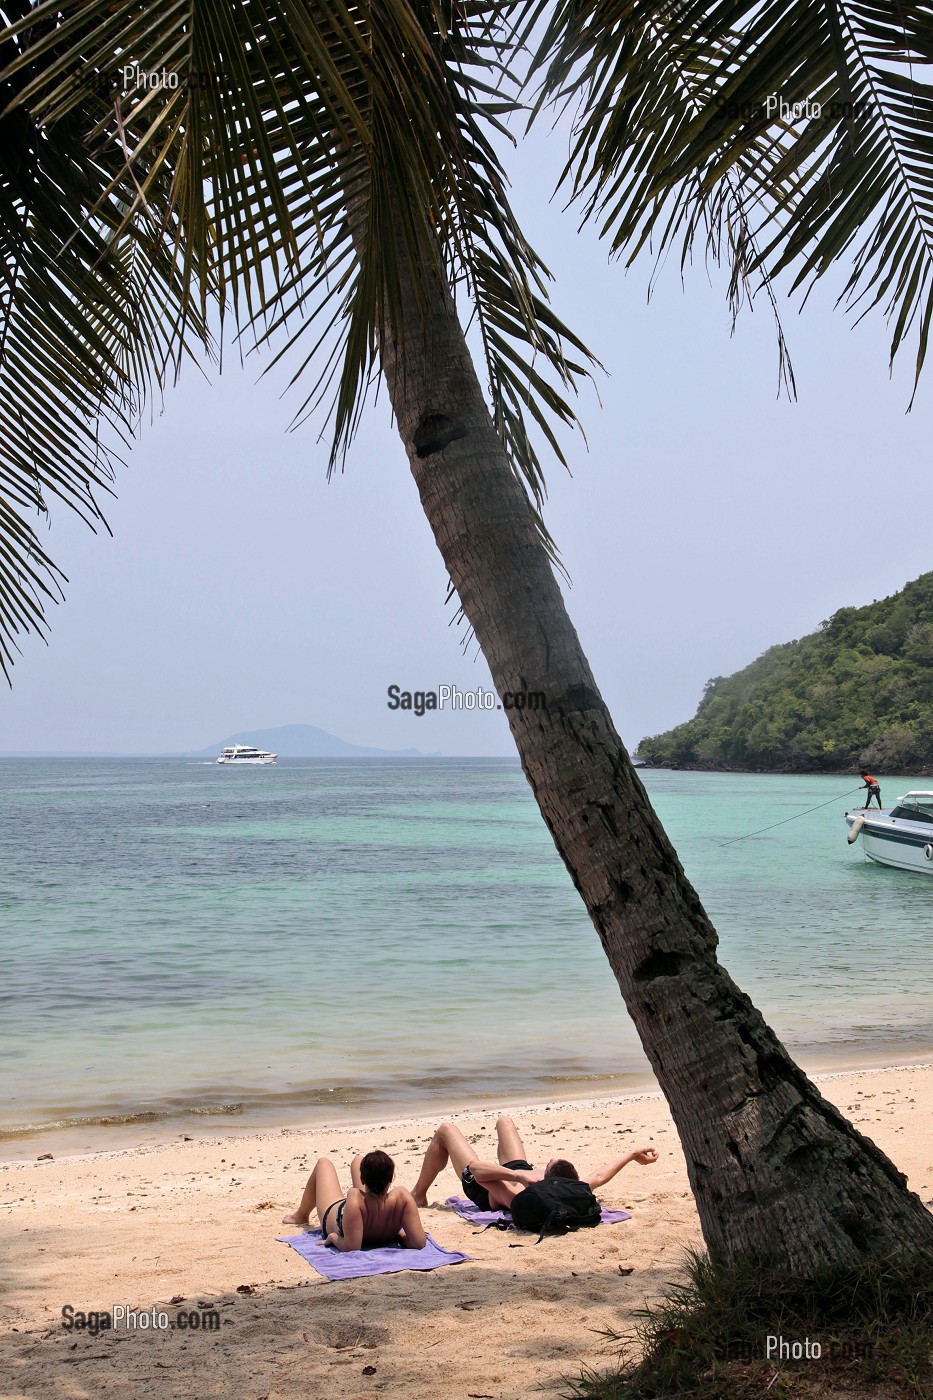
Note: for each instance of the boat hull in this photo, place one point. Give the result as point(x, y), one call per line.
point(888, 843)
point(243, 762)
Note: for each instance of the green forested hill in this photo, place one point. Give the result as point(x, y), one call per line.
point(858, 691)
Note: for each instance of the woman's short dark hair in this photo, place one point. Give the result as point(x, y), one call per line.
point(561, 1167)
point(376, 1171)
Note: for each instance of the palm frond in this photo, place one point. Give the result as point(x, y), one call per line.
point(194, 161)
point(431, 191)
point(88, 322)
point(793, 133)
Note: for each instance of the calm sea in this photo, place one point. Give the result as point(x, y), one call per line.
point(184, 944)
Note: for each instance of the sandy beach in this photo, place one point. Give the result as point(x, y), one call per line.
point(193, 1225)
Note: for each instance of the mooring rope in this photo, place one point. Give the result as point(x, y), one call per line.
point(784, 821)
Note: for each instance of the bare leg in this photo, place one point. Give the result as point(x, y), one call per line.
point(447, 1145)
point(510, 1144)
point(322, 1190)
point(355, 1177)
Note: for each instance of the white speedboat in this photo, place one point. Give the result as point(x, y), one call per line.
point(245, 753)
point(902, 837)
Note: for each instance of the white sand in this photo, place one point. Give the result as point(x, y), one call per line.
point(196, 1220)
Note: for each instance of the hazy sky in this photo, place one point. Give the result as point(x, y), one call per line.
point(706, 521)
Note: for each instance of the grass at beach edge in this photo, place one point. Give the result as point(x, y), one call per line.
point(706, 1337)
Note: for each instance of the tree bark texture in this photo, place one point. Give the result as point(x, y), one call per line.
point(778, 1173)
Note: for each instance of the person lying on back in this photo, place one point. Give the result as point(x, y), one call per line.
point(373, 1212)
point(494, 1185)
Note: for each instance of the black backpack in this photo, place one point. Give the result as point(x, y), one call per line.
point(554, 1206)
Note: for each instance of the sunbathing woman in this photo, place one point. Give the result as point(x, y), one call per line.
point(373, 1212)
point(494, 1185)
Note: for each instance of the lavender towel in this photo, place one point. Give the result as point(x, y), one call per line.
point(358, 1263)
point(468, 1211)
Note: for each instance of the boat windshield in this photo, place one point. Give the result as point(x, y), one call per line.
point(915, 807)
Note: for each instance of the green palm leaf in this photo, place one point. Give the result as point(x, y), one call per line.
point(88, 321)
point(675, 136)
point(304, 149)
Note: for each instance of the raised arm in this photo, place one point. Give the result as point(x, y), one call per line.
point(645, 1156)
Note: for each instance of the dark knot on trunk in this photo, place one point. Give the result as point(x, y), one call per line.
point(659, 964)
point(434, 432)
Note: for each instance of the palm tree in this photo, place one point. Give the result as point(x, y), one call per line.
point(327, 176)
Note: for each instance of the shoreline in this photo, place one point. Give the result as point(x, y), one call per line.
point(845, 773)
point(36, 1143)
point(198, 1223)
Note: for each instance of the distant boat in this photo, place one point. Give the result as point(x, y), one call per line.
point(901, 837)
point(245, 753)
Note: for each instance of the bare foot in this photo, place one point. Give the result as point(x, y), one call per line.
point(420, 1199)
point(296, 1218)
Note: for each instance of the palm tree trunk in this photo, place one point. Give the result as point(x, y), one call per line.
point(777, 1172)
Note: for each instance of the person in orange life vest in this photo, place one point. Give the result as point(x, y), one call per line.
point(874, 790)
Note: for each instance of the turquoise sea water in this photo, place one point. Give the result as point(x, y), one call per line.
point(276, 944)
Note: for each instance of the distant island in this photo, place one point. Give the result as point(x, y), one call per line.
point(304, 741)
point(859, 692)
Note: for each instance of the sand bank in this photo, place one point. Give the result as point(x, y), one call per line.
point(197, 1221)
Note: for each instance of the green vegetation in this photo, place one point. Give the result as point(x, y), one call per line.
point(707, 1339)
point(858, 692)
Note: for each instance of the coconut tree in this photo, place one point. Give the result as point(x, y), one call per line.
point(325, 178)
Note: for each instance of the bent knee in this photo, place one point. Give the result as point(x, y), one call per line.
point(504, 1121)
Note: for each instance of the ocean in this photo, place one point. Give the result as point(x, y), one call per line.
point(192, 948)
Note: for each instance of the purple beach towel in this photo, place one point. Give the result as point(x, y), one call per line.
point(359, 1263)
point(468, 1211)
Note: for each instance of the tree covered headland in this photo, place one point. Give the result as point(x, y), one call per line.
point(857, 692)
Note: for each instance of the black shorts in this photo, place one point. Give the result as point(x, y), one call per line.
point(478, 1194)
point(339, 1206)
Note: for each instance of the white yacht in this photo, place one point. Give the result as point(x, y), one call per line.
point(902, 837)
point(245, 753)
